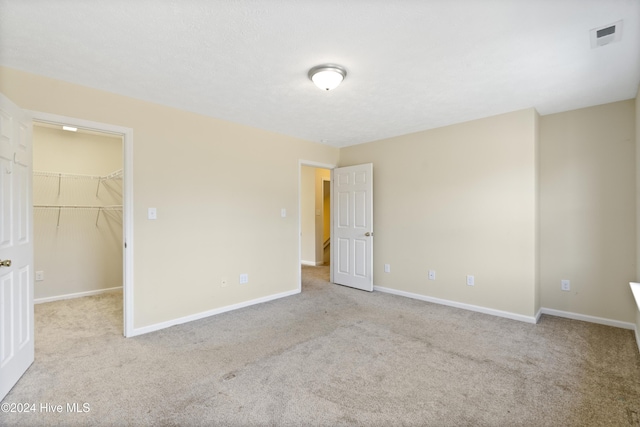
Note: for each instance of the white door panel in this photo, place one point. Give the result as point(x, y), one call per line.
point(16, 245)
point(353, 226)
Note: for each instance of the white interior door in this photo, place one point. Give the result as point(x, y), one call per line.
point(352, 239)
point(16, 245)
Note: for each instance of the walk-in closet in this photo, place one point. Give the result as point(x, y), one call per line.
point(77, 212)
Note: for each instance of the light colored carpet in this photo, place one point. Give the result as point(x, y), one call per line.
point(330, 356)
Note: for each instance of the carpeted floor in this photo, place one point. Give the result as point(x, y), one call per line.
point(329, 356)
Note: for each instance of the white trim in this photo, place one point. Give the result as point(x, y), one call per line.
point(208, 313)
point(635, 290)
point(587, 318)
point(75, 295)
point(300, 261)
point(538, 314)
point(470, 307)
point(127, 198)
point(127, 215)
point(310, 263)
point(515, 316)
point(316, 164)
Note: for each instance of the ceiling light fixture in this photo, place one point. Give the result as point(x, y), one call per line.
point(327, 76)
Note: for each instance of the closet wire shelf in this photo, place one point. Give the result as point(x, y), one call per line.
point(101, 178)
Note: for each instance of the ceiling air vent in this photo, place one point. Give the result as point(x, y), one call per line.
point(604, 35)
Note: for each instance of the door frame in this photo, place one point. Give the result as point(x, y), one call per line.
point(312, 164)
point(127, 199)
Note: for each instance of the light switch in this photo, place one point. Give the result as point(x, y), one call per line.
point(283, 212)
point(152, 214)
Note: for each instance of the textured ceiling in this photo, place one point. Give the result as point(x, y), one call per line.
point(412, 65)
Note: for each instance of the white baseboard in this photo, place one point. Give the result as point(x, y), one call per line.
point(515, 316)
point(470, 307)
point(198, 316)
point(75, 295)
point(587, 318)
point(538, 314)
point(311, 263)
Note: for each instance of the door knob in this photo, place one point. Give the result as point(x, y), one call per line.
point(368, 234)
point(5, 263)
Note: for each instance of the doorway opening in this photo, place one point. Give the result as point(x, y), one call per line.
point(350, 222)
point(326, 221)
point(77, 214)
point(314, 216)
point(82, 197)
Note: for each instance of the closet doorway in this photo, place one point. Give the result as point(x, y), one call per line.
point(81, 200)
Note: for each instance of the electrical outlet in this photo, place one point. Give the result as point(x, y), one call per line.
point(39, 276)
point(471, 281)
point(432, 275)
point(387, 268)
point(565, 285)
point(223, 282)
point(244, 278)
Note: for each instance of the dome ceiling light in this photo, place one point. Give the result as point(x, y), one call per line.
point(327, 76)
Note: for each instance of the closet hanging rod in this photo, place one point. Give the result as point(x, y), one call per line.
point(112, 175)
point(110, 207)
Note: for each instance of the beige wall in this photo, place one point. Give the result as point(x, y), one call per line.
point(75, 152)
point(587, 210)
point(463, 199)
point(81, 252)
point(218, 188)
point(460, 200)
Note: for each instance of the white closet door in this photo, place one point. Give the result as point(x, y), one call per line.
point(16, 245)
